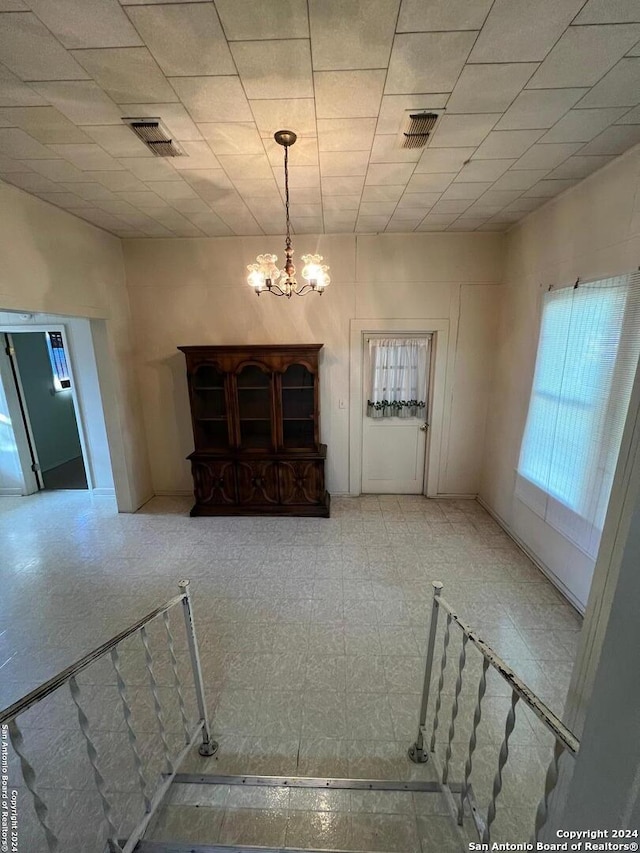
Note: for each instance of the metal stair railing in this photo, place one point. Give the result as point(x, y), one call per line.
point(152, 797)
point(565, 740)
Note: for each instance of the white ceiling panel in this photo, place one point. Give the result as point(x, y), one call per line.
point(443, 159)
point(19, 145)
point(614, 140)
point(150, 168)
point(29, 50)
point(382, 192)
point(213, 98)
point(394, 109)
point(355, 134)
point(348, 94)
point(267, 20)
point(445, 206)
point(377, 208)
point(577, 167)
point(197, 155)
point(489, 88)
point(175, 117)
point(45, 124)
point(210, 224)
point(299, 176)
point(287, 114)
point(619, 88)
point(506, 143)
point(337, 203)
point(352, 35)
point(519, 179)
point(460, 190)
point(484, 170)
point(8, 164)
point(386, 150)
point(583, 55)
point(211, 184)
point(87, 23)
point(582, 125)
point(462, 131)
point(436, 222)
point(427, 62)
point(230, 138)
point(343, 163)
point(15, 93)
point(430, 183)
point(247, 166)
point(539, 108)
point(31, 182)
point(251, 190)
point(305, 152)
point(171, 189)
point(389, 173)
point(118, 140)
point(145, 198)
point(523, 30)
point(91, 191)
point(342, 186)
point(417, 16)
point(609, 12)
point(266, 75)
point(371, 224)
point(58, 170)
point(418, 201)
point(127, 75)
point(87, 157)
point(547, 189)
point(185, 39)
point(547, 156)
point(81, 101)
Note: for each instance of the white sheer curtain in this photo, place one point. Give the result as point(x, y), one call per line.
point(399, 370)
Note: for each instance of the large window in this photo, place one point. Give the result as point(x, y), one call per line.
point(587, 358)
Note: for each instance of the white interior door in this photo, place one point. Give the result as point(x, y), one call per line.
point(393, 448)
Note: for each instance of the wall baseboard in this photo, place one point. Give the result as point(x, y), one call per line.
point(11, 492)
point(104, 492)
point(173, 493)
point(537, 562)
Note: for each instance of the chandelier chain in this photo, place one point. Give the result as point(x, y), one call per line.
point(286, 194)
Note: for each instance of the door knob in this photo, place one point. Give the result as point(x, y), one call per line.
point(424, 427)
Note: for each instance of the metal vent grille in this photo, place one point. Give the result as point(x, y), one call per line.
point(420, 126)
point(155, 136)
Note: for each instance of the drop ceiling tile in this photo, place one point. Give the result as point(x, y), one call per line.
point(90, 191)
point(171, 189)
point(275, 17)
point(411, 214)
point(377, 208)
point(233, 138)
point(342, 186)
point(344, 163)
point(29, 50)
point(185, 39)
point(577, 167)
point(305, 152)
point(31, 182)
point(116, 181)
point(446, 206)
point(119, 207)
point(367, 224)
point(247, 166)
point(213, 99)
point(394, 109)
point(402, 226)
point(86, 157)
point(265, 74)
point(615, 140)
point(384, 192)
point(299, 176)
point(8, 164)
point(523, 31)
point(176, 119)
point(211, 184)
point(609, 12)
point(583, 55)
point(520, 179)
point(271, 116)
point(336, 134)
point(331, 203)
point(582, 125)
point(150, 168)
point(412, 201)
point(304, 210)
point(506, 143)
point(459, 190)
point(547, 189)
point(143, 198)
point(524, 205)
point(443, 159)
point(619, 88)
point(307, 225)
point(87, 23)
point(15, 93)
point(539, 108)
point(13, 6)
point(484, 170)
point(462, 131)
point(58, 170)
point(434, 183)
point(197, 155)
point(386, 149)
point(344, 220)
point(482, 208)
point(427, 62)
point(436, 222)
point(489, 88)
point(389, 173)
point(250, 189)
point(352, 35)
point(348, 94)
point(81, 101)
point(118, 140)
point(128, 75)
point(45, 124)
point(417, 16)
point(19, 145)
point(632, 117)
point(61, 199)
point(547, 156)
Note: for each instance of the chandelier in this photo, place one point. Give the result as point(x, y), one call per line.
point(265, 275)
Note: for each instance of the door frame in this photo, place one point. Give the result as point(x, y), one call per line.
point(40, 329)
point(439, 330)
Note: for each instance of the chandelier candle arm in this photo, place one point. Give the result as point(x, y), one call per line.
point(264, 275)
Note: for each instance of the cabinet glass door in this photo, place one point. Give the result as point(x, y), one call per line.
point(210, 408)
point(298, 403)
point(254, 407)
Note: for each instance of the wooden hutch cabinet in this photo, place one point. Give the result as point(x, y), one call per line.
point(255, 413)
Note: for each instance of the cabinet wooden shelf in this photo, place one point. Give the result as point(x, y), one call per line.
point(256, 426)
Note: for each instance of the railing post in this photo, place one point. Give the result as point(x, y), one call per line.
point(208, 746)
point(417, 752)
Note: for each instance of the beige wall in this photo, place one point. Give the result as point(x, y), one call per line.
point(55, 263)
point(194, 291)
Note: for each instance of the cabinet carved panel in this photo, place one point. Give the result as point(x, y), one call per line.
point(214, 481)
point(257, 482)
point(301, 482)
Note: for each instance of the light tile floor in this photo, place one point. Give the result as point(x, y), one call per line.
point(312, 634)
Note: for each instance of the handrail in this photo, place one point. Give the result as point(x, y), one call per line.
point(48, 687)
point(557, 728)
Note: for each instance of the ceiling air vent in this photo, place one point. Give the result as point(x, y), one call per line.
point(417, 133)
point(155, 136)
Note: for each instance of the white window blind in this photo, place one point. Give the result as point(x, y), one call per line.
point(587, 358)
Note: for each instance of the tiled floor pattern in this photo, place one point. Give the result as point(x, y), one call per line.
point(312, 634)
